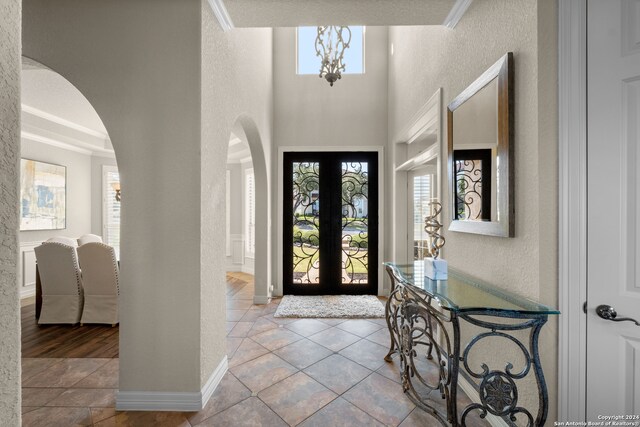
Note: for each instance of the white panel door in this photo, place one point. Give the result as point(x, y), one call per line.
point(613, 276)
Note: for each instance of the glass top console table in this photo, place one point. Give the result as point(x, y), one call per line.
point(423, 317)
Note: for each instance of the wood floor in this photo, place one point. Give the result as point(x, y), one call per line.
point(66, 341)
point(88, 341)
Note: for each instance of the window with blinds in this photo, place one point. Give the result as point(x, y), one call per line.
point(250, 213)
point(111, 208)
point(421, 197)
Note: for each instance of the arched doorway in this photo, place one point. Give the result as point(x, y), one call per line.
point(64, 138)
point(245, 143)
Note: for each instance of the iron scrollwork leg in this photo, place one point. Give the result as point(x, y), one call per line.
point(498, 390)
point(427, 372)
point(391, 315)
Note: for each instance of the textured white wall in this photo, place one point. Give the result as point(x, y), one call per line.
point(79, 195)
point(426, 58)
point(9, 165)
point(236, 82)
point(143, 79)
point(310, 112)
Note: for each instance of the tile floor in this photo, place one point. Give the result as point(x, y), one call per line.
point(307, 372)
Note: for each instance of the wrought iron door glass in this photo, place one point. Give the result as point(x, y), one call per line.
point(306, 222)
point(355, 222)
point(330, 224)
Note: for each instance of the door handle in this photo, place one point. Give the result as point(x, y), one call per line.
point(609, 313)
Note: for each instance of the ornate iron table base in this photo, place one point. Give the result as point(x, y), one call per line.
point(430, 361)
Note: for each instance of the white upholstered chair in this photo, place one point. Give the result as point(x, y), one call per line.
point(89, 238)
point(64, 240)
point(100, 279)
point(62, 295)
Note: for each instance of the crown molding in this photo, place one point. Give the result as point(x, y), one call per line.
point(77, 146)
point(457, 12)
point(222, 15)
point(64, 122)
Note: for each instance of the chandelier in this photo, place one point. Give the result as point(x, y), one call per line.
point(331, 43)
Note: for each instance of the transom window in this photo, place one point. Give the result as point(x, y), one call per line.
point(309, 63)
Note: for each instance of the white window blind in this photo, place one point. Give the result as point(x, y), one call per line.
point(250, 213)
point(421, 197)
point(111, 209)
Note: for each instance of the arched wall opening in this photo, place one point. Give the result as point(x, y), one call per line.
point(64, 144)
point(61, 126)
point(246, 132)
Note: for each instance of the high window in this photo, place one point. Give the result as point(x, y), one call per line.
point(309, 63)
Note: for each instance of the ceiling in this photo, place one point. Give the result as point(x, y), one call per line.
point(293, 13)
point(55, 112)
point(239, 151)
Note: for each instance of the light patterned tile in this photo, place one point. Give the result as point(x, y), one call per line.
point(235, 315)
point(247, 351)
point(341, 413)
point(39, 396)
point(229, 392)
point(47, 417)
point(334, 339)
point(296, 398)
point(337, 372)
point(140, 419)
point(261, 325)
point(381, 398)
point(359, 327)
point(240, 330)
point(232, 346)
point(366, 353)
point(66, 373)
point(33, 366)
point(263, 372)
point(306, 327)
point(276, 338)
point(106, 376)
point(303, 353)
point(86, 397)
point(230, 326)
point(381, 337)
point(253, 413)
point(331, 321)
point(101, 414)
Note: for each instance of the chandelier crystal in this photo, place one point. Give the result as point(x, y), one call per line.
point(331, 43)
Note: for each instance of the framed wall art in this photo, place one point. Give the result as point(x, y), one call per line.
point(43, 194)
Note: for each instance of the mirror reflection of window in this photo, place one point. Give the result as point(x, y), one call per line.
point(475, 149)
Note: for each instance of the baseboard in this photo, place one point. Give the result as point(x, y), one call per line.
point(28, 292)
point(214, 380)
point(172, 401)
point(261, 299)
point(472, 393)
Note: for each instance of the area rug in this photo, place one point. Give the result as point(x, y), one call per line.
point(330, 306)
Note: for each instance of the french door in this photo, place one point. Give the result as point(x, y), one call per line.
point(330, 223)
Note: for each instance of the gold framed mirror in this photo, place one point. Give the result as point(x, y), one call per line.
point(480, 154)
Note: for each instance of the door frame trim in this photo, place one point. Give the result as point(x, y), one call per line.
point(381, 200)
point(572, 204)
